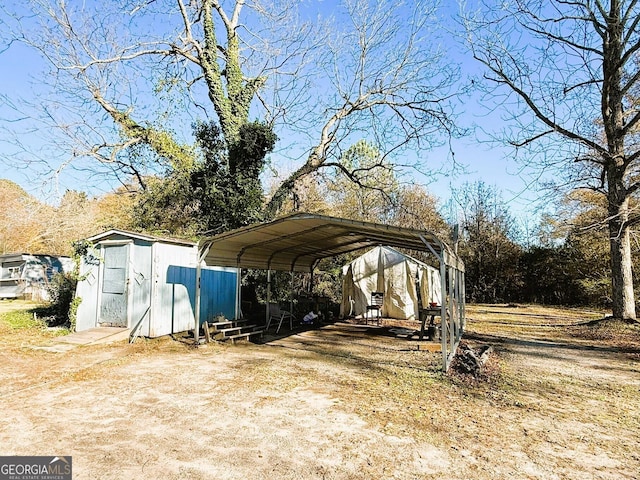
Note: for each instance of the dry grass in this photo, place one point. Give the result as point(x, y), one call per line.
point(20, 327)
point(559, 397)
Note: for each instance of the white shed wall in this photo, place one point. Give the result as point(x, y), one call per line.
point(87, 291)
point(140, 285)
point(171, 306)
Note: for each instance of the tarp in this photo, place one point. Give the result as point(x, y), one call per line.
point(398, 276)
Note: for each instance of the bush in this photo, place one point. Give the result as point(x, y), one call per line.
point(62, 289)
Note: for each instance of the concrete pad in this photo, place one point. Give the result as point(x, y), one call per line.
point(93, 336)
point(96, 335)
point(56, 348)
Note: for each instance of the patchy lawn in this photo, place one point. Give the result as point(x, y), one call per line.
point(559, 399)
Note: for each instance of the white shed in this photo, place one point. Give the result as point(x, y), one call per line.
point(148, 284)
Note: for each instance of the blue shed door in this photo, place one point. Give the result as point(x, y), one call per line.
point(113, 307)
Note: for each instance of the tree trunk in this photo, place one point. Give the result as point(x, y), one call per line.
point(621, 271)
point(615, 164)
point(622, 276)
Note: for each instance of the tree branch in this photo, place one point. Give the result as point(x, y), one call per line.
point(505, 79)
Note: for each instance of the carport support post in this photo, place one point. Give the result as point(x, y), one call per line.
point(200, 256)
point(443, 300)
point(196, 330)
point(268, 312)
point(239, 313)
point(291, 295)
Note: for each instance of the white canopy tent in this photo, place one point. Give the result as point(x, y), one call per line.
point(297, 242)
point(407, 284)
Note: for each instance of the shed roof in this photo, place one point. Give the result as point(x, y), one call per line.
point(298, 241)
point(137, 236)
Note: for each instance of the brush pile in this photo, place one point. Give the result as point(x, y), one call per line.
point(469, 360)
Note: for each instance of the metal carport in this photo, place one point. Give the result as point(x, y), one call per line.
point(297, 242)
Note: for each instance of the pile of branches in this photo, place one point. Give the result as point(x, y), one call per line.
point(470, 361)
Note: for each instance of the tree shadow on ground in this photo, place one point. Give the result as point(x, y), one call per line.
point(542, 343)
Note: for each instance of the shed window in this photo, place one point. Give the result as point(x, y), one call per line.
point(14, 272)
point(115, 269)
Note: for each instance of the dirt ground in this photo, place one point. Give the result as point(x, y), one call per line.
point(559, 400)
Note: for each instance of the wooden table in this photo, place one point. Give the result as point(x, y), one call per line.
point(432, 313)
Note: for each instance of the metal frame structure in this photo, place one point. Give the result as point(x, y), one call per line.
point(297, 242)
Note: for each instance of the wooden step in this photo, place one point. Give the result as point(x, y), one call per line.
point(228, 330)
point(235, 329)
point(228, 323)
point(243, 336)
point(216, 325)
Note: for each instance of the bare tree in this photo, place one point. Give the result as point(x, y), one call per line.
point(487, 245)
point(568, 73)
point(135, 75)
point(128, 79)
point(388, 81)
point(21, 220)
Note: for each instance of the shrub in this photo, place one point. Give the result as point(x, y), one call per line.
point(62, 289)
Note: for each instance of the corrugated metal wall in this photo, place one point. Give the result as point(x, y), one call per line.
point(218, 295)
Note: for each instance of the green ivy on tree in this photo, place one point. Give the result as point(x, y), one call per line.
point(220, 192)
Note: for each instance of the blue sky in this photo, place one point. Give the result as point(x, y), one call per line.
point(20, 69)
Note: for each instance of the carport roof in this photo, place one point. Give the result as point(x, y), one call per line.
point(298, 241)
